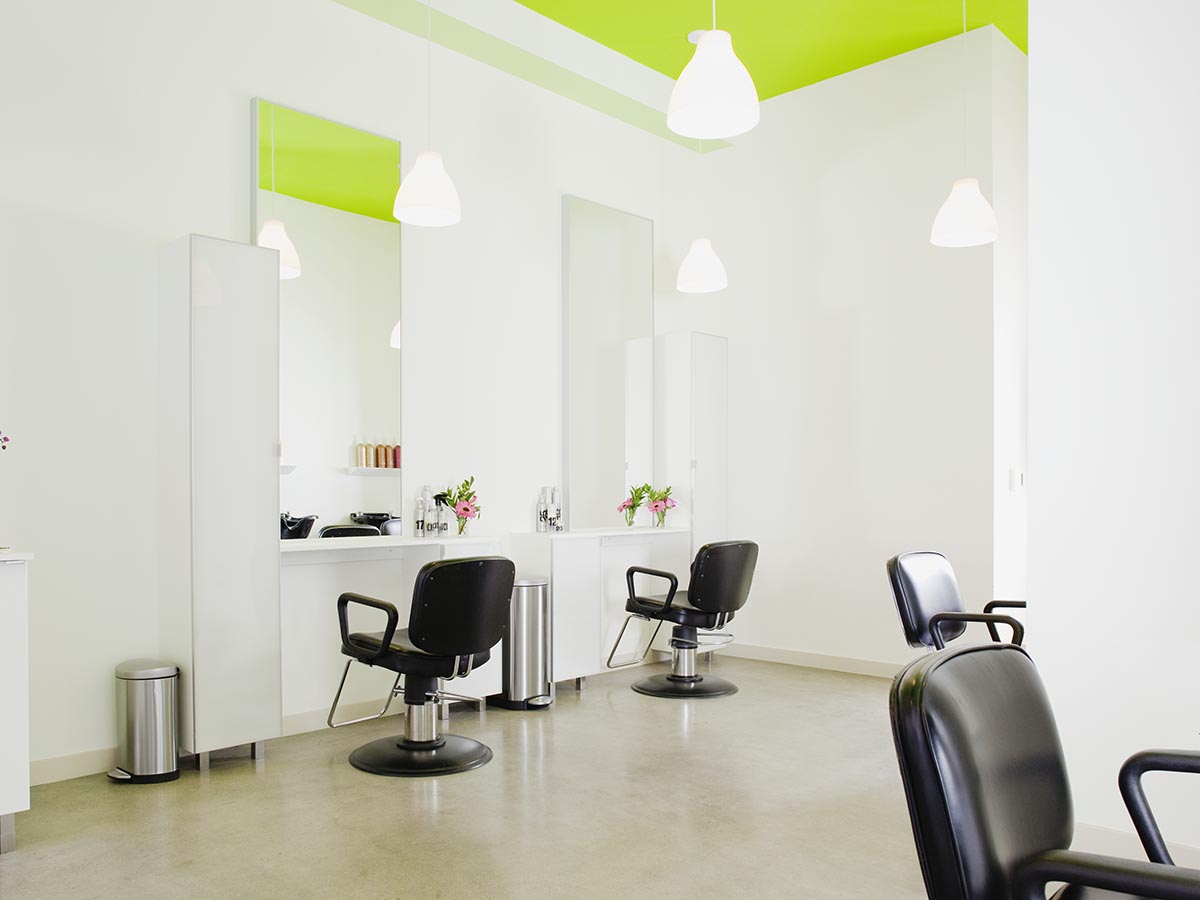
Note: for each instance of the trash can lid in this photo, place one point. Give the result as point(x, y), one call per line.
point(531, 582)
point(144, 669)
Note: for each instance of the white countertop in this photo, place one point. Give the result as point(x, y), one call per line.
point(579, 533)
point(7, 554)
point(375, 542)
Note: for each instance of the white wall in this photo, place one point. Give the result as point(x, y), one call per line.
point(340, 381)
point(1113, 369)
point(861, 357)
point(144, 134)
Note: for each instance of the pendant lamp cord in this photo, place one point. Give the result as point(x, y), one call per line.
point(714, 15)
point(272, 148)
point(963, 87)
point(429, 73)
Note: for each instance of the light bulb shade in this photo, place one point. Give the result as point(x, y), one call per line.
point(966, 219)
point(714, 96)
point(394, 339)
point(274, 236)
point(701, 271)
point(427, 195)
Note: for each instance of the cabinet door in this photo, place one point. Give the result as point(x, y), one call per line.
point(14, 688)
point(574, 584)
point(235, 680)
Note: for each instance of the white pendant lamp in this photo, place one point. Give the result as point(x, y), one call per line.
point(966, 219)
point(273, 234)
point(426, 195)
point(702, 271)
point(714, 96)
point(394, 339)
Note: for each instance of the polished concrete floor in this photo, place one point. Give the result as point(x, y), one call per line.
point(788, 789)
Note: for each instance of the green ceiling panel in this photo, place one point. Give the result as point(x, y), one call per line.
point(327, 163)
point(786, 44)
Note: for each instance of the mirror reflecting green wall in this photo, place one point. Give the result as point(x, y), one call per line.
point(340, 380)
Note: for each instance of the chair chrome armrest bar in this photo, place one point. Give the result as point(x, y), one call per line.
point(609, 662)
point(396, 689)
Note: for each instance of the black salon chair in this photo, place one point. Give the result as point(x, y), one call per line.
point(335, 531)
point(720, 584)
point(988, 793)
point(459, 613)
point(931, 607)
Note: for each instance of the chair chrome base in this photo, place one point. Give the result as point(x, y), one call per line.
point(677, 687)
point(400, 758)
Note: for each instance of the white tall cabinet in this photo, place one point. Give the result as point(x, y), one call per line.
point(691, 416)
point(219, 462)
point(14, 693)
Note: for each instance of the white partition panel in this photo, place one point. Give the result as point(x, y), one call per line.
point(222, 626)
point(14, 688)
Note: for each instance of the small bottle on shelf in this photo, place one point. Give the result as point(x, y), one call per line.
point(370, 454)
point(360, 455)
point(396, 457)
point(543, 512)
point(419, 524)
point(387, 456)
point(380, 449)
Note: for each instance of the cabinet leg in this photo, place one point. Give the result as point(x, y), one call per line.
point(201, 761)
point(581, 683)
point(8, 833)
point(258, 750)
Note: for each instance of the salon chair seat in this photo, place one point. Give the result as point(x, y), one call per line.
point(459, 613)
point(404, 655)
point(931, 606)
point(720, 583)
point(987, 788)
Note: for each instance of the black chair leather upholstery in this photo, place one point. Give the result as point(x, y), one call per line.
point(926, 593)
point(459, 613)
point(987, 787)
point(721, 576)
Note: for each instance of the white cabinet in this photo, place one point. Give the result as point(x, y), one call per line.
point(14, 693)
point(219, 466)
point(691, 413)
point(588, 589)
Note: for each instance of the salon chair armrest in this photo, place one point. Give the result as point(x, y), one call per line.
point(393, 619)
point(1108, 873)
point(656, 573)
point(1130, 781)
point(936, 620)
point(993, 605)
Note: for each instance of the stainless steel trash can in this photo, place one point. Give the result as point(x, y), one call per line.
point(528, 648)
point(147, 722)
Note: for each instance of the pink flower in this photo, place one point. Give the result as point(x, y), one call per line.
point(657, 506)
point(670, 503)
point(625, 504)
point(465, 509)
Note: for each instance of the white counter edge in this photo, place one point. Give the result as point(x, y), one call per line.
point(14, 556)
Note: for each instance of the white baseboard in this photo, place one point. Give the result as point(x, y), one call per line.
point(1111, 842)
point(62, 768)
point(315, 720)
point(814, 660)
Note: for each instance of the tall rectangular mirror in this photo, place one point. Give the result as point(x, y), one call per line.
point(323, 193)
point(608, 325)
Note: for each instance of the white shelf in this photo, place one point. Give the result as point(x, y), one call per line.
point(373, 471)
point(287, 468)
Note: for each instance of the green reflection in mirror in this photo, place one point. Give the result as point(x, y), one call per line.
point(327, 163)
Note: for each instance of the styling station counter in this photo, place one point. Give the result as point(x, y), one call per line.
point(14, 693)
point(314, 572)
point(588, 589)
